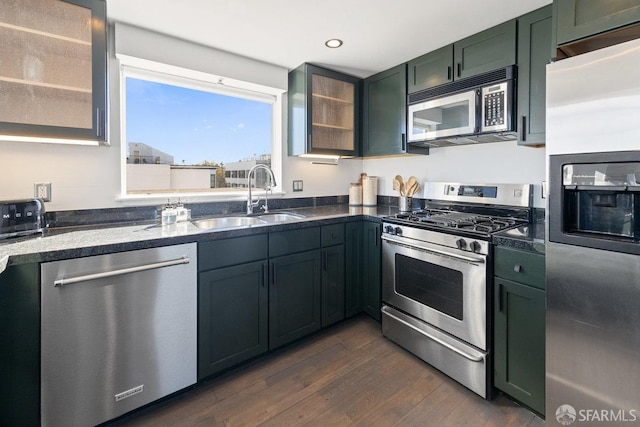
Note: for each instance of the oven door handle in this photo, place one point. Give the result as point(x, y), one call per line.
point(466, 355)
point(431, 249)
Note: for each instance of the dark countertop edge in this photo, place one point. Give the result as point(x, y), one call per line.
point(531, 240)
point(62, 254)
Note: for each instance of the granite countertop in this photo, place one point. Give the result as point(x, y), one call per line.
point(77, 242)
point(528, 237)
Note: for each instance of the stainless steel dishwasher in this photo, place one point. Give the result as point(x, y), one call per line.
point(118, 331)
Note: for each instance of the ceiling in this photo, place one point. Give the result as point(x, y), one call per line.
point(377, 34)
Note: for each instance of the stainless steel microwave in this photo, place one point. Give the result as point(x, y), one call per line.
point(473, 110)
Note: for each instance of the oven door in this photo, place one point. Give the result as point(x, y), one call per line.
point(448, 116)
point(444, 287)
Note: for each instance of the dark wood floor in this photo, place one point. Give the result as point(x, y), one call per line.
point(346, 375)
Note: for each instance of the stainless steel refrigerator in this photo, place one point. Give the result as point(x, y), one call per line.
point(593, 238)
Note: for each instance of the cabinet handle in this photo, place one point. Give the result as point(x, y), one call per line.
point(459, 65)
point(99, 123)
point(517, 268)
point(403, 139)
point(273, 274)
point(449, 72)
point(523, 133)
point(499, 297)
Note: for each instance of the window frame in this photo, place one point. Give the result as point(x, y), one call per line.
point(168, 74)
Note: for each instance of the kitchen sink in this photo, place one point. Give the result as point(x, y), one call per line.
point(227, 222)
point(280, 217)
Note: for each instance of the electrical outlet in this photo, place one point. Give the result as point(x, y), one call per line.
point(42, 190)
point(297, 185)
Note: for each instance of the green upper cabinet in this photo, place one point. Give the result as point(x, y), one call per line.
point(485, 51)
point(384, 120)
point(323, 112)
point(54, 69)
point(431, 69)
point(578, 19)
point(534, 44)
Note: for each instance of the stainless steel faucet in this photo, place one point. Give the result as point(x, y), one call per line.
point(272, 183)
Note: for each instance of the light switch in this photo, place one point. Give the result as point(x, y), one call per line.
point(297, 185)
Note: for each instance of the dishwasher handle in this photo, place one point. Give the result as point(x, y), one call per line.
point(85, 278)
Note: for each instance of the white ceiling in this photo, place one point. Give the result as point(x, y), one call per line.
point(377, 34)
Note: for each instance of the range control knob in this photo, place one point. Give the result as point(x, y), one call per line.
point(398, 231)
point(461, 244)
point(475, 246)
point(389, 229)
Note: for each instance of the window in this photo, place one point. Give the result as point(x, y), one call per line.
point(186, 136)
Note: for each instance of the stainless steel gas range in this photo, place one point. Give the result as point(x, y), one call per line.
point(436, 275)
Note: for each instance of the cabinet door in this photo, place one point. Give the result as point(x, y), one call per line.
point(53, 82)
point(384, 113)
point(485, 51)
point(578, 19)
point(20, 344)
point(323, 112)
point(232, 316)
point(520, 342)
point(534, 42)
point(294, 297)
point(432, 69)
point(371, 273)
point(332, 285)
point(353, 268)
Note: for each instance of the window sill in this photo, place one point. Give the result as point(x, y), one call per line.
point(161, 199)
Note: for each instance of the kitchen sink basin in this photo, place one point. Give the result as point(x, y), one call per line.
point(227, 222)
point(280, 217)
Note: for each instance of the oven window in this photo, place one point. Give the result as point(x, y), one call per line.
point(429, 284)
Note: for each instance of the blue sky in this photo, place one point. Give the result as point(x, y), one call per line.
point(193, 125)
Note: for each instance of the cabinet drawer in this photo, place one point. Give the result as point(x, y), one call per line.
point(226, 252)
point(519, 266)
point(332, 235)
point(292, 241)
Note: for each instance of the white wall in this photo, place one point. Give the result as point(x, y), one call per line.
point(500, 162)
point(88, 177)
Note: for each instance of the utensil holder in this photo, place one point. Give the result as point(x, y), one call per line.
point(404, 203)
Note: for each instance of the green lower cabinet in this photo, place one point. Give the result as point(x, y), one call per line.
point(232, 316)
point(294, 297)
point(371, 271)
point(519, 357)
point(20, 346)
point(353, 268)
point(332, 285)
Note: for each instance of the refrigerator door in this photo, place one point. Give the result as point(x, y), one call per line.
point(593, 333)
point(593, 295)
point(593, 101)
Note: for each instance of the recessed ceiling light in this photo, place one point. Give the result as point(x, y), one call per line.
point(333, 43)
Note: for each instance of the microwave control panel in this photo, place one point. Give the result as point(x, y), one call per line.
point(494, 107)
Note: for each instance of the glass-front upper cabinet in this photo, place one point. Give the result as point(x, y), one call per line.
point(323, 107)
point(53, 69)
